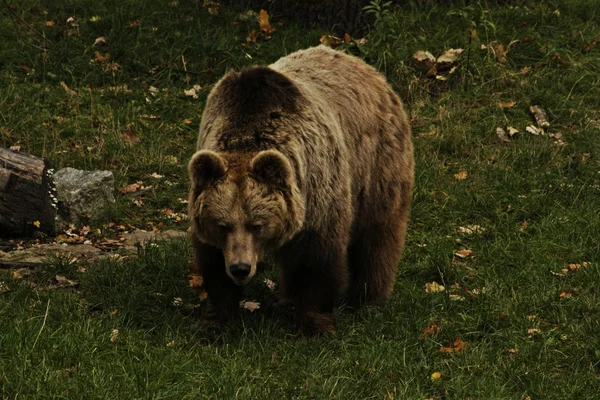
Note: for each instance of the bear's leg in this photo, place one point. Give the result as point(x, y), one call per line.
point(223, 294)
point(374, 255)
point(313, 275)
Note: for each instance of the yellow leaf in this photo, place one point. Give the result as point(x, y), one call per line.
point(461, 175)
point(36, 224)
point(436, 376)
point(434, 287)
point(50, 23)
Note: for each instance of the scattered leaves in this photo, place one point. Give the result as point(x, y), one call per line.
point(440, 68)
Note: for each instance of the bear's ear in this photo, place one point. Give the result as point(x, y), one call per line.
point(272, 168)
point(206, 167)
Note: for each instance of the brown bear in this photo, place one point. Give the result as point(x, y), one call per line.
point(309, 160)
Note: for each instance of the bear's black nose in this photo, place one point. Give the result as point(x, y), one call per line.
point(240, 271)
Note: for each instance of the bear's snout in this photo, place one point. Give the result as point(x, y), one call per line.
point(240, 271)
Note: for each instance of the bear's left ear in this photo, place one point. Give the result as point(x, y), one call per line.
point(272, 168)
point(205, 168)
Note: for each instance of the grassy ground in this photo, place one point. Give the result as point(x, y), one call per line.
point(525, 327)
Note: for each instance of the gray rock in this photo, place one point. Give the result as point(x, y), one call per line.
point(83, 193)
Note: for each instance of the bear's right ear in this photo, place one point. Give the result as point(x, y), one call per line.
point(206, 167)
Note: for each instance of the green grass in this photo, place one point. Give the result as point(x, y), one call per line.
point(57, 343)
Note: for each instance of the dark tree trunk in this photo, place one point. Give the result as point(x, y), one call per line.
point(27, 195)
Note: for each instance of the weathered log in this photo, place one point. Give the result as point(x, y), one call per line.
point(27, 195)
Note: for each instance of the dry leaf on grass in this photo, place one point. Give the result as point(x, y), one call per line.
point(458, 346)
point(464, 253)
point(114, 336)
point(436, 376)
point(461, 175)
point(270, 284)
point(431, 330)
point(434, 287)
point(471, 229)
point(250, 305)
point(508, 104)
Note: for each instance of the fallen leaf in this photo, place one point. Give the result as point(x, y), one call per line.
point(196, 281)
point(540, 116)
point(347, 38)
point(471, 229)
point(558, 58)
point(156, 176)
point(436, 376)
point(250, 305)
point(270, 284)
point(461, 175)
point(187, 121)
point(331, 41)
point(567, 294)
point(263, 20)
point(588, 47)
point(212, 7)
point(534, 130)
point(464, 253)
point(15, 148)
point(132, 188)
point(512, 131)
point(458, 346)
point(171, 343)
point(524, 70)
point(67, 89)
point(50, 23)
point(533, 331)
point(449, 56)
point(523, 226)
point(501, 133)
point(431, 330)
point(114, 336)
point(177, 301)
point(508, 104)
point(130, 136)
point(36, 224)
point(100, 40)
point(434, 287)
point(191, 93)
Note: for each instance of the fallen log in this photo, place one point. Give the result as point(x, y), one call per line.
point(27, 195)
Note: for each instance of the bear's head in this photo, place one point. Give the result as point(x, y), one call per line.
point(246, 204)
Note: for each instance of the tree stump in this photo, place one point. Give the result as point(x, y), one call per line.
point(27, 195)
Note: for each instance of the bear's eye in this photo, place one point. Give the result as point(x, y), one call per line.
point(255, 228)
point(225, 228)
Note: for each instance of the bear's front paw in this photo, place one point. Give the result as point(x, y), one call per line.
point(316, 324)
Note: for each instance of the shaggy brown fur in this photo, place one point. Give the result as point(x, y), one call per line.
point(311, 161)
